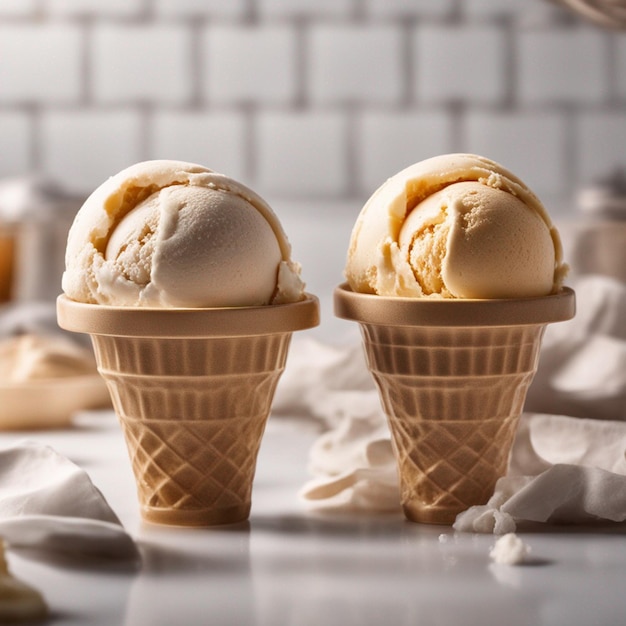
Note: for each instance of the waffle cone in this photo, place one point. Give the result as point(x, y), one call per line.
point(452, 377)
point(192, 390)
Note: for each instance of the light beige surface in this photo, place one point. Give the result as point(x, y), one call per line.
point(169, 233)
point(454, 226)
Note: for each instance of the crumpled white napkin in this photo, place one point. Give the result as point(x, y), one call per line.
point(48, 503)
point(561, 468)
point(582, 369)
point(354, 466)
point(324, 382)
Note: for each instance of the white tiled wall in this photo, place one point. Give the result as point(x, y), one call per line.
point(309, 100)
point(40, 63)
point(134, 64)
point(464, 63)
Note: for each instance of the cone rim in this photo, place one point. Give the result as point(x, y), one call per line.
point(119, 321)
point(403, 311)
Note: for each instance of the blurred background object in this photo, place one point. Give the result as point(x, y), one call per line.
point(35, 215)
point(598, 239)
point(607, 13)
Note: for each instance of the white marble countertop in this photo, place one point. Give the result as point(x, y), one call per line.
point(294, 567)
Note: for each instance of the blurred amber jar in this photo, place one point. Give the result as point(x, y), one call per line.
point(35, 215)
point(7, 261)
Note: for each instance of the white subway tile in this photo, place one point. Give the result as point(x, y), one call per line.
point(459, 63)
point(81, 149)
point(319, 233)
point(249, 64)
point(302, 155)
point(485, 8)
point(601, 141)
point(141, 63)
point(389, 142)
point(18, 8)
point(417, 8)
point(107, 8)
point(522, 13)
point(207, 8)
point(15, 139)
point(40, 63)
point(530, 145)
point(316, 8)
point(620, 66)
point(562, 65)
point(215, 140)
point(355, 64)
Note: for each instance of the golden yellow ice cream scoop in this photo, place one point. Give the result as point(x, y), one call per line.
point(455, 226)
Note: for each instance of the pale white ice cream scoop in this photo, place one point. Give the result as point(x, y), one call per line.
point(175, 234)
point(455, 226)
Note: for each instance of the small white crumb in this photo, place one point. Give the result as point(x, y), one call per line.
point(443, 538)
point(509, 550)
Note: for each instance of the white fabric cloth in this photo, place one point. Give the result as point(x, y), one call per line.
point(563, 470)
point(48, 503)
point(568, 463)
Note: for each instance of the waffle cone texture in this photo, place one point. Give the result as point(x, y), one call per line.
point(452, 377)
point(192, 389)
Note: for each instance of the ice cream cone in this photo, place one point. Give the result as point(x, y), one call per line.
point(453, 377)
point(192, 389)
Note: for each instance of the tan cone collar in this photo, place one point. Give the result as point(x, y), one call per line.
point(397, 311)
point(99, 319)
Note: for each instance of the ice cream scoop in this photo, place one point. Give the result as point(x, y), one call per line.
point(455, 226)
point(168, 233)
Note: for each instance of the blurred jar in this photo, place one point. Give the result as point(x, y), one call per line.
point(35, 216)
point(599, 240)
point(7, 260)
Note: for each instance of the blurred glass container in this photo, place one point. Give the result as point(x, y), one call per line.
point(599, 241)
point(7, 260)
point(35, 216)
